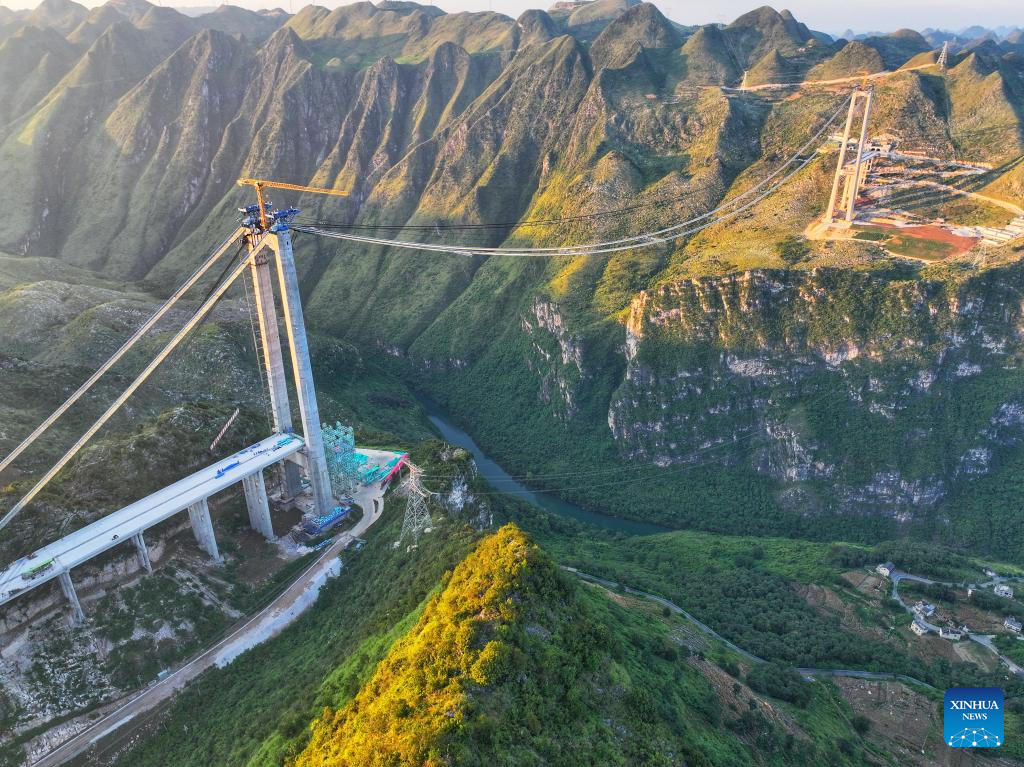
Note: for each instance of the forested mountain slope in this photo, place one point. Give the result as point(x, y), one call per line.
point(134, 121)
point(502, 658)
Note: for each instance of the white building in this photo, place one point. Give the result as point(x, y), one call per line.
point(1012, 623)
point(883, 142)
point(886, 569)
point(918, 628)
point(947, 632)
point(1003, 590)
point(924, 609)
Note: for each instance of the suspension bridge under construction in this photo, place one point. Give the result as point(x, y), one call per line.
point(297, 458)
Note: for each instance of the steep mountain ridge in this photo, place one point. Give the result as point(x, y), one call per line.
point(61, 15)
point(452, 127)
point(32, 61)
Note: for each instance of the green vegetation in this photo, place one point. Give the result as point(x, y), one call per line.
point(925, 559)
point(427, 119)
point(445, 691)
point(166, 599)
point(1011, 646)
point(10, 713)
point(793, 250)
point(750, 590)
point(513, 663)
point(918, 247)
point(797, 392)
point(532, 663)
point(780, 682)
point(252, 712)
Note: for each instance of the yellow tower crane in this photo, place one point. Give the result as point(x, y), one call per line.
point(259, 184)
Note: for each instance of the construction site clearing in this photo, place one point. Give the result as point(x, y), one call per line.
point(374, 468)
point(914, 205)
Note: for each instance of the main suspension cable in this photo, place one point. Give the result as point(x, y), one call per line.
point(643, 240)
point(212, 297)
point(141, 331)
point(530, 223)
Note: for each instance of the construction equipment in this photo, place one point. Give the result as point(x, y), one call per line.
point(342, 461)
point(259, 184)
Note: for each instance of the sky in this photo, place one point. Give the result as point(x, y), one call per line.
point(829, 16)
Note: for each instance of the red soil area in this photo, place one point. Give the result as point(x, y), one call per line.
point(934, 233)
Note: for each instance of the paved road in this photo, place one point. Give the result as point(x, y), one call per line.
point(882, 676)
point(896, 577)
point(671, 606)
point(807, 673)
point(119, 527)
point(264, 624)
point(985, 640)
point(835, 81)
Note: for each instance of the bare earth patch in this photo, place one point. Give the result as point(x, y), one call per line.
point(906, 723)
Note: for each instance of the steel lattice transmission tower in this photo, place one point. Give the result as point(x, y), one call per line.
point(417, 517)
point(340, 451)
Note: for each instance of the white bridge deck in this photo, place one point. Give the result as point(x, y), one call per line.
point(118, 527)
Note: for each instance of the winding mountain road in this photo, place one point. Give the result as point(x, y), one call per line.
point(265, 624)
point(985, 640)
point(807, 673)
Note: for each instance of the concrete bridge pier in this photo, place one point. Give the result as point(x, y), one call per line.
point(78, 615)
point(140, 546)
point(259, 506)
point(202, 526)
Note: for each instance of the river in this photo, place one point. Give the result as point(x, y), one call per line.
point(503, 482)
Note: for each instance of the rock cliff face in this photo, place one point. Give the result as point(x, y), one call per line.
point(556, 358)
point(833, 391)
point(856, 393)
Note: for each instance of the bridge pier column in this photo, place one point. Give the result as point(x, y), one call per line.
point(78, 615)
point(140, 546)
point(202, 526)
point(259, 507)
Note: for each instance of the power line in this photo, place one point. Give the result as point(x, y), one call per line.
point(141, 331)
point(653, 204)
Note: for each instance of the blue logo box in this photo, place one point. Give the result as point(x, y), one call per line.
point(973, 717)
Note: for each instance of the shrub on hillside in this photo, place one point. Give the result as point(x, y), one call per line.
point(780, 682)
